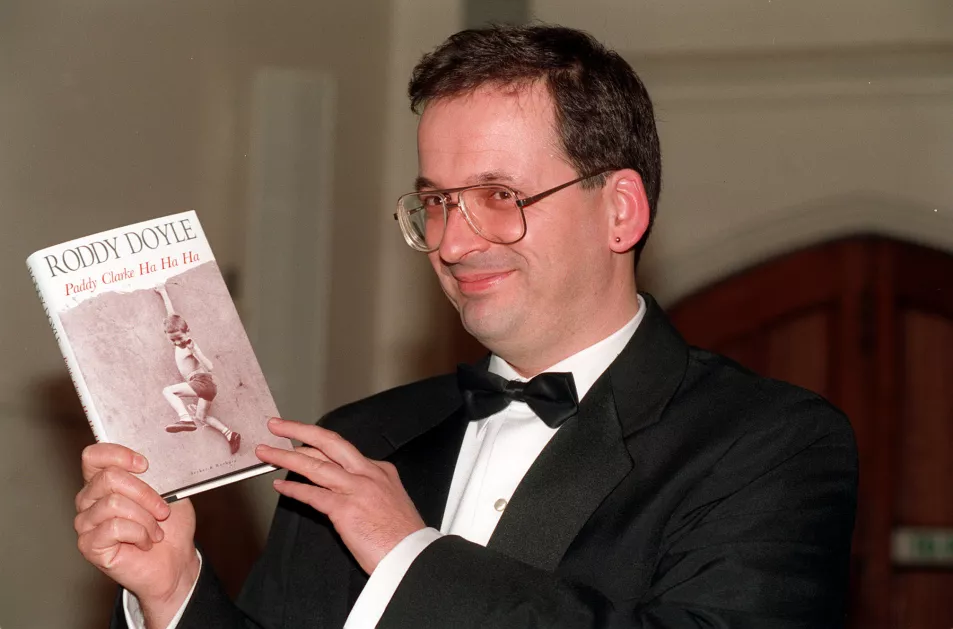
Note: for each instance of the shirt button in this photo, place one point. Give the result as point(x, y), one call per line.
point(500, 504)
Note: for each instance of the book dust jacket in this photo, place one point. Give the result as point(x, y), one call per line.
point(157, 352)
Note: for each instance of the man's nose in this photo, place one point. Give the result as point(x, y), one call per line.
point(460, 238)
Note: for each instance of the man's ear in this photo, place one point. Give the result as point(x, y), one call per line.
point(628, 209)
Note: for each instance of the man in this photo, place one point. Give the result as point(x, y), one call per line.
point(637, 483)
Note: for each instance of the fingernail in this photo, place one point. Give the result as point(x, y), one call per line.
point(277, 482)
point(274, 420)
point(140, 462)
point(159, 534)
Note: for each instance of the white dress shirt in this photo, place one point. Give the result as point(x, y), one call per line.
point(496, 453)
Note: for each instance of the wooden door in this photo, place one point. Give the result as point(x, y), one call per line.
point(868, 323)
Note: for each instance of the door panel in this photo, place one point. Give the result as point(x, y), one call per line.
point(797, 351)
point(794, 350)
point(923, 597)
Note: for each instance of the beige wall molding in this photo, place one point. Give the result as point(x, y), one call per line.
point(700, 78)
point(676, 274)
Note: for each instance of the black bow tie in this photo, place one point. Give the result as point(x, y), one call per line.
point(552, 396)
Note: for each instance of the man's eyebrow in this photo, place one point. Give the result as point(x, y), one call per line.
point(421, 183)
point(489, 176)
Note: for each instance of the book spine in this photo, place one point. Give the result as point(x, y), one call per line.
point(69, 359)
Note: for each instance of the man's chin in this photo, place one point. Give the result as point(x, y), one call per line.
point(485, 323)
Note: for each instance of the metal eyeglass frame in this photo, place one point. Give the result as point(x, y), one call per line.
point(449, 204)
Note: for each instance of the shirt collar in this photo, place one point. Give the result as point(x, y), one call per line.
point(587, 365)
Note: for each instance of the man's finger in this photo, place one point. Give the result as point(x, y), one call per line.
point(100, 545)
point(324, 473)
point(117, 506)
point(114, 480)
point(318, 498)
point(314, 453)
point(99, 456)
point(327, 441)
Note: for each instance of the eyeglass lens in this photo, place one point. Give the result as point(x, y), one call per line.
point(492, 212)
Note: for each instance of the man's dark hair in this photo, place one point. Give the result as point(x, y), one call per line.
point(603, 113)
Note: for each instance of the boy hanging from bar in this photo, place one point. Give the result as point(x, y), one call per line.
point(196, 370)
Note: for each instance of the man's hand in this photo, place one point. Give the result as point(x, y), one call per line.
point(364, 499)
point(128, 531)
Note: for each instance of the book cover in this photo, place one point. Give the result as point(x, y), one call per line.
point(157, 353)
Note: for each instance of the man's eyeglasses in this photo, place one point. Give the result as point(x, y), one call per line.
point(493, 211)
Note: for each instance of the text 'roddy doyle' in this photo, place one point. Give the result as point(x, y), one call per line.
point(131, 242)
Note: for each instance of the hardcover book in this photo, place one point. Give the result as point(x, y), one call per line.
point(157, 352)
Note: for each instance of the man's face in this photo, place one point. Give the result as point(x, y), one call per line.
point(515, 298)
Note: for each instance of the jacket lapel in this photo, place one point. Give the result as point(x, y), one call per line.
point(426, 465)
point(647, 373)
point(589, 457)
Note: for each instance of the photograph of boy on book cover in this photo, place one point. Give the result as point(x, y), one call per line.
point(196, 370)
point(153, 363)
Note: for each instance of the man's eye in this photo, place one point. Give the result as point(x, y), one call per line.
point(432, 200)
point(502, 195)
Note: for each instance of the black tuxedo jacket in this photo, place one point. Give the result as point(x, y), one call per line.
point(686, 492)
